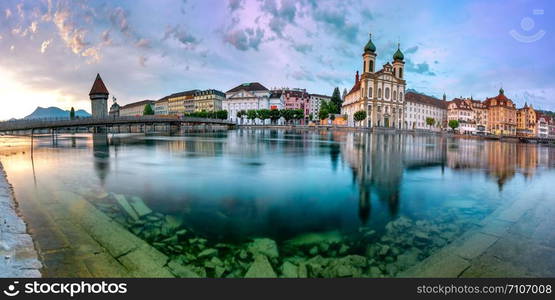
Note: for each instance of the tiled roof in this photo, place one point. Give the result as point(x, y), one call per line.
point(460, 103)
point(98, 86)
point(139, 103)
point(502, 100)
point(276, 94)
point(318, 95)
point(355, 88)
point(185, 93)
point(425, 99)
point(250, 86)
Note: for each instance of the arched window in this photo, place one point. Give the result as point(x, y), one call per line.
point(400, 72)
point(386, 93)
point(371, 66)
point(394, 95)
point(364, 66)
point(401, 96)
point(379, 93)
point(370, 92)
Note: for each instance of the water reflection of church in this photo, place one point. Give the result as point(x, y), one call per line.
point(378, 161)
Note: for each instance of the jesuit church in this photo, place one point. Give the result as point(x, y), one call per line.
point(380, 93)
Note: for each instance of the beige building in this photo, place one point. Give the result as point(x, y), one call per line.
point(135, 109)
point(208, 100)
point(379, 93)
point(501, 115)
point(161, 107)
point(526, 121)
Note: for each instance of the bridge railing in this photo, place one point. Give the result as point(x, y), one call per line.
point(90, 121)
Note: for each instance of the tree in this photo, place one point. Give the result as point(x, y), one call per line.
point(323, 114)
point(336, 101)
point(72, 114)
point(298, 114)
point(274, 115)
point(148, 110)
point(360, 115)
point(453, 124)
point(287, 114)
point(263, 114)
point(241, 114)
point(252, 114)
point(430, 121)
point(221, 114)
point(344, 94)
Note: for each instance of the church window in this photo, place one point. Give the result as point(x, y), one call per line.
point(370, 92)
point(400, 72)
point(371, 66)
point(379, 93)
point(364, 66)
point(386, 93)
point(400, 96)
point(394, 95)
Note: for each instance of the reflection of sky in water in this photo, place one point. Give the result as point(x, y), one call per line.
point(278, 183)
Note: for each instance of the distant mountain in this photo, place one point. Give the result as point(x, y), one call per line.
point(55, 112)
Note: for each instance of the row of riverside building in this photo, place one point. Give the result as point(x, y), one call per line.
point(244, 97)
point(381, 94)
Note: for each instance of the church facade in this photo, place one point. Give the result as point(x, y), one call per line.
point(380, 93)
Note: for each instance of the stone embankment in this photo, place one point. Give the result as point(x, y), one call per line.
point(18, 257)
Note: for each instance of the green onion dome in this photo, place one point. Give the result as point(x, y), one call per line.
point(398, 54)
point(370, 47)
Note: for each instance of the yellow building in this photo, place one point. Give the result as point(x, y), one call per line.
point(526, 121)
point(177, 101)
point(501, 115)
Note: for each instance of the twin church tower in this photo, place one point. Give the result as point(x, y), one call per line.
point(380, 93)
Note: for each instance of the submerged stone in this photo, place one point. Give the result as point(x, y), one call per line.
point(260, 268)
point(289, 270)
point(265, 246)
point(208, 252)
point(139, 206)
point(122, 201)
point(316, 238)
point(181, 270)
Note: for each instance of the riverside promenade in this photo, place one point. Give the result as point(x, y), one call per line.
point(18, 257)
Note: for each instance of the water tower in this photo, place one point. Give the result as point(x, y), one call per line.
point(99, 98)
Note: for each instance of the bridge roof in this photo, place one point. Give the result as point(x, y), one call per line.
point(98, 86)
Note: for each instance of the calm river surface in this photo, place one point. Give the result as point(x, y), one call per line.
point(382, 202)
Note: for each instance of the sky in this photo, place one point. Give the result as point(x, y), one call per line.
point(51, 50)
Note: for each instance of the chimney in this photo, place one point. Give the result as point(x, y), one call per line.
point(356, 78)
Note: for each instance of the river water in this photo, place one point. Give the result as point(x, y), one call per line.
point(378, 203)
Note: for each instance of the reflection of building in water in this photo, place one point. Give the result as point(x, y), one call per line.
point(424, 151)
point(101, 153)
point(499, 160)
point(463, 154)
point(376, 162)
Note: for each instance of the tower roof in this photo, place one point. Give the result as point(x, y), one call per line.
point(398, 54)
point(98, 86)
point(370, 47)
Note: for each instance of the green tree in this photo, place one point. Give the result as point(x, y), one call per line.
point(336, 101)
point(274, 115)
point(147, 111)
point(72, 114)
point(252, 115)
point(241, 114)
point(263, 114)
point(287, 114)
point(298, 114)
point(430, 121)
point(221, 114)
point(453, 124)
point(360, 115)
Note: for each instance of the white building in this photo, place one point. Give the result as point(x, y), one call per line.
point(542, 125)
point(418, 108)
point(379, 93)
point(315, 103)
point(161, 107)
point(246, 96)
point(277, 100)
point(135, 109)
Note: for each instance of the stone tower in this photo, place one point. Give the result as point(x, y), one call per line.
point(99, 98)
